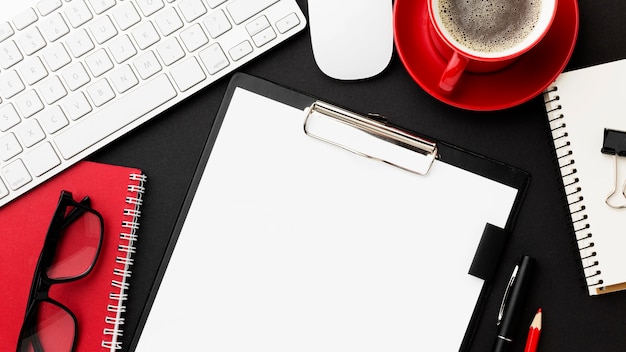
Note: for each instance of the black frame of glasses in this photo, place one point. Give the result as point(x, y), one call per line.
point(41, 283)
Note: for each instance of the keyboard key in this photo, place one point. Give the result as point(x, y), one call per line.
point(217, 23)
point(79, 43)
point(122, 49)
point(46, 7)
point(5, 31)
point(191, 9)
point(28, 104)
point(193, 37)
point(147, 65)
point(30, 132)
point(33, 70)
point(118, 114)
point(16, 175)
point(3, 190)
point(31, 41)
point(100, 92)
point(214, 59)
point(102, 29)
point(9, 54)
point(10, 84)
point(75, 76)
point(76, 106)
point(8, 117)
point(54, 27)
point(42, 159)
point(240, 50)
point(125, 15)
point(52, 90)
point(288, 22)
point(56, 56)
point(99, 6)
point(77, 13)
point(264, 37)
point(257, 25)
point(148, 7)
point(170, 51)
point(53, 119)
point(99, 62)
point(9, 146)
point(241, 10)
point(168, 21)
point(187, 74)
point(215, 3)
point(145, 35)
point(25, 19)
point(123, 79)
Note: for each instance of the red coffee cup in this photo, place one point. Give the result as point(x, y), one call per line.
point(485, 36)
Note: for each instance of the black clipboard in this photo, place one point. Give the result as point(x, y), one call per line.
point(488, 250)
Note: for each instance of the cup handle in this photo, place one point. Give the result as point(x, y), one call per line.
point(452, 73)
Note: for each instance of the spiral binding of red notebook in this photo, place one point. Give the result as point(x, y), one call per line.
point(98, 300)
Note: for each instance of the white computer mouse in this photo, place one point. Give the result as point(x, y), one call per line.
point(351, 39)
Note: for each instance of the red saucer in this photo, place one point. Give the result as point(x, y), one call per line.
point(523, 80)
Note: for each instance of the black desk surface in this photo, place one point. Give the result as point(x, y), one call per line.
point(168, 149)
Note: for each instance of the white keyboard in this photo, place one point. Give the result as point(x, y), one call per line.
point(77, 74)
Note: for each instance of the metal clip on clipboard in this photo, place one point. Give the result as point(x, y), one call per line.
point(370, 138)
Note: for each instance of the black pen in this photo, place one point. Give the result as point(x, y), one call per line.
point(512, 304)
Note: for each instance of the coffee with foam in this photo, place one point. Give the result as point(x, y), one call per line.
point(489, 26)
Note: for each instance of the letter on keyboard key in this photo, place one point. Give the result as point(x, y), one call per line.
point(77, 106)
point(100, 92)
point(118, 114)
point(241, 10)
point(29, 103)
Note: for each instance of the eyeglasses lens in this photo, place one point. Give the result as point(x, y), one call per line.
point(77, 249)
point(54, 330)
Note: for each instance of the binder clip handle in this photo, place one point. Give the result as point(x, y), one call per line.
point(615, 144)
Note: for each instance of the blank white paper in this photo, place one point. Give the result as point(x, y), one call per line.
point(292, 244)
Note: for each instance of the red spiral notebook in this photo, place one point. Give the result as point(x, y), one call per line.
point(98, 300)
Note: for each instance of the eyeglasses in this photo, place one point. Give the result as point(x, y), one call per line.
point(69, 253)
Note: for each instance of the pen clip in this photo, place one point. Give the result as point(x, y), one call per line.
point(505, 298)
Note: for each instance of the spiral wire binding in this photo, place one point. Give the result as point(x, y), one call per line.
point(114, 321)
point(565, 157)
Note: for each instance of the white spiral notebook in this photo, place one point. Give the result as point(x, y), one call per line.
point(294, 244)
point(581, 104)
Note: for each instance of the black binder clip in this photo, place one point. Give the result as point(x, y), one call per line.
point(615, 144)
